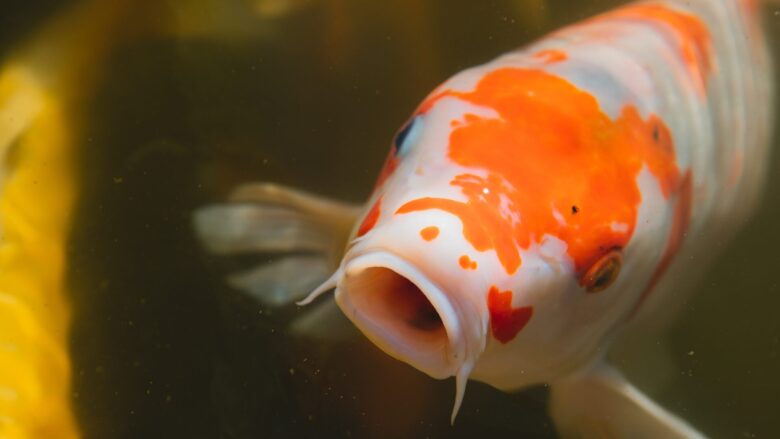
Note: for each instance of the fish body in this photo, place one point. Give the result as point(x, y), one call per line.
point(628, 133)
point(533, 207)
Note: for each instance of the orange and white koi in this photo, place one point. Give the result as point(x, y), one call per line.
point(533, 206)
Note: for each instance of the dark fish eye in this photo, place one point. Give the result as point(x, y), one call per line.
point(603, 273)
point(402, 139)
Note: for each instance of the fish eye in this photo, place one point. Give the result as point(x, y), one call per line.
point(603, 273)
point(407, 135)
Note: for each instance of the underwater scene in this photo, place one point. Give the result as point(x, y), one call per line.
point(150, 285)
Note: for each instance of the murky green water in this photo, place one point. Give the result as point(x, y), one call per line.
point(310, 97)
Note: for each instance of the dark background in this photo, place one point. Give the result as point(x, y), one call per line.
point(161, 347)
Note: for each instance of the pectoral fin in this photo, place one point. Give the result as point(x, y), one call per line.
point(600, 403)
point(279, 283)
point(324, 323)
point(300, 235)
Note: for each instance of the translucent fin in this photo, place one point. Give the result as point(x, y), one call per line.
point(600, 403)
point(461, 379)
point(324, 322)
point(302, 234)
point(256, 228)
point(281, 282)
point(336, 213)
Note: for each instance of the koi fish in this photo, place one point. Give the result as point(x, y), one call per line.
point(535, 207)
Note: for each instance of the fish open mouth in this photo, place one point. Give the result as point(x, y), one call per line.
point(403, 300)
point(402, 312)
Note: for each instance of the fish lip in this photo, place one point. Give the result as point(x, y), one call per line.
point(393, 344)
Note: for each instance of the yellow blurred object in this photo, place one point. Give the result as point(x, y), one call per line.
point(39, 88)
point(35, 201)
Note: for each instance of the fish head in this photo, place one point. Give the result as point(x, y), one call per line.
point(509, 234)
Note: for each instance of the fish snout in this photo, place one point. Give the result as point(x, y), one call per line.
point(403, 312)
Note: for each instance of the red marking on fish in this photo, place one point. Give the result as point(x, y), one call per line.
point(466, 263)
point(371, 218)
point(551, 147)
point(391, 164)
point(551, 55)
point(506, 322)
point(429, 233)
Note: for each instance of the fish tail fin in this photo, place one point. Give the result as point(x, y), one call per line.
point(299, 237)
point(601, 403)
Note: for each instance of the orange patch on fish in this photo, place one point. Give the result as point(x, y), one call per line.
point(466, 263)
point(371, 218)
point(550, 148)
point(429, 233)
point(551, 55)
point(691, 33)
point(391, 163)
point(751, 5)
point(506, 322)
